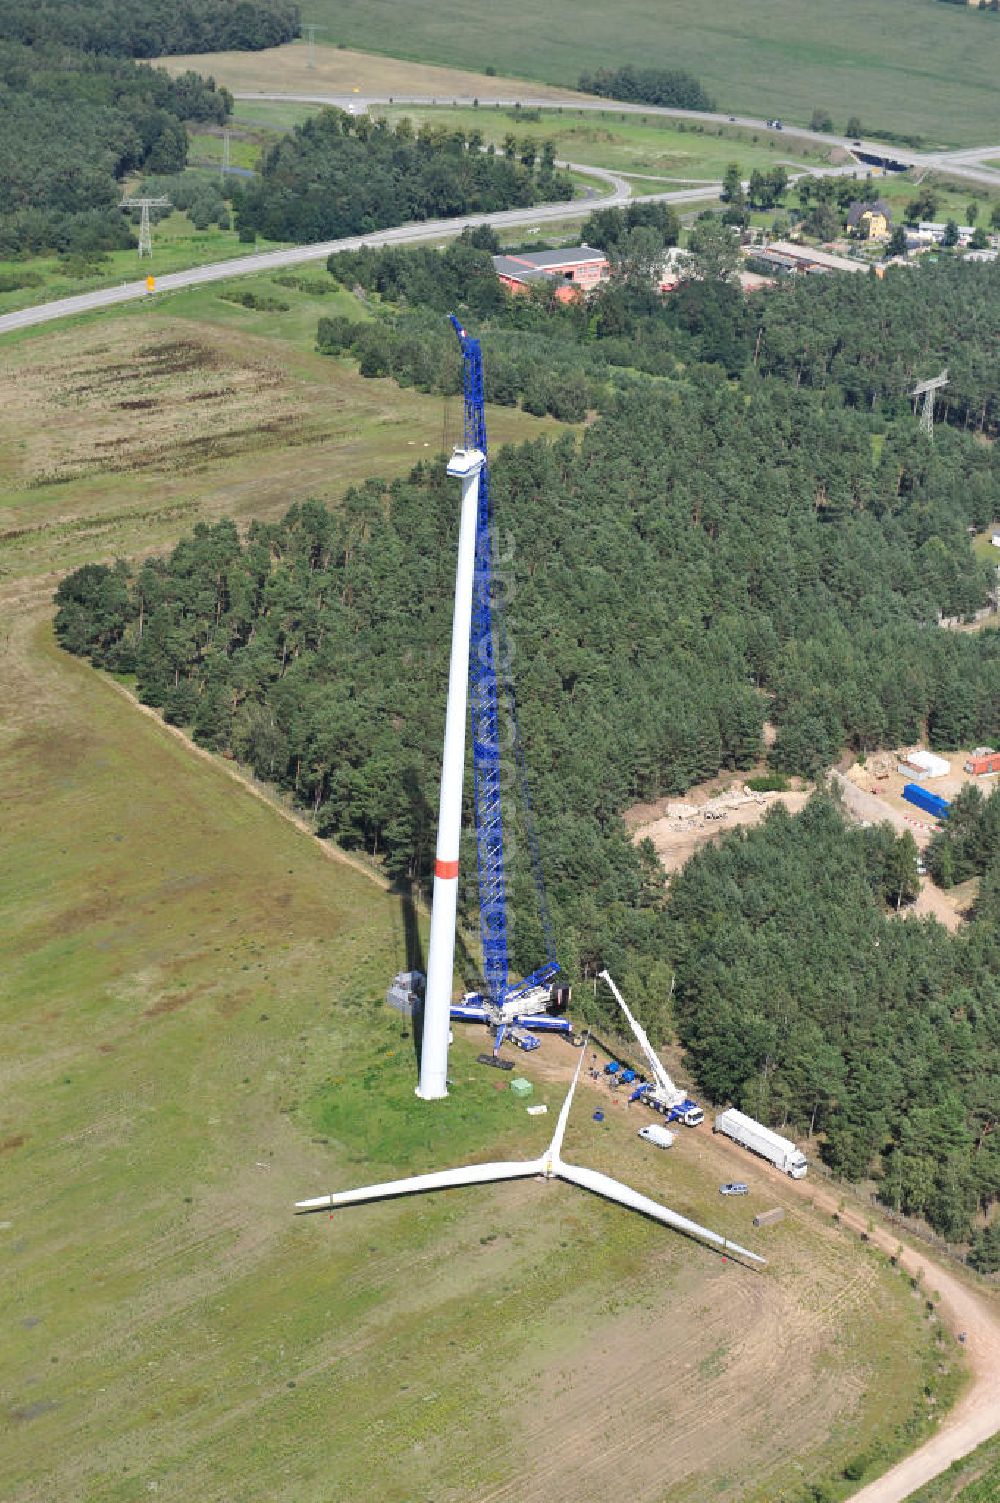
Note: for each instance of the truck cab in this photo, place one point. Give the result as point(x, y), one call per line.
point(683, 1110)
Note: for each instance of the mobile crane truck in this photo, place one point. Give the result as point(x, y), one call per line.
point(660, 1093)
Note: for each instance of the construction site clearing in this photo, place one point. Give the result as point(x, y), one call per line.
point(679, 827)
point(872, 793)
point(883, 775)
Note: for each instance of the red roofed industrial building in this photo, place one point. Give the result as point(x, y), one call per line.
point(575, 269)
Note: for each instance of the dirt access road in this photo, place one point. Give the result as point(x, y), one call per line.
point(976, 1416)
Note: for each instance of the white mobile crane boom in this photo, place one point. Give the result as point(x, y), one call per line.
point(662, 1095)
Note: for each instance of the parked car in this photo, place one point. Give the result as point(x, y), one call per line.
point(736, 1188)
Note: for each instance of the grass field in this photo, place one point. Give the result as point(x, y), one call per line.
point(191, 1037)
point(647, 143)
point(206, 148)
point(124, 431)
point(903, 65)
point(271, 114)
point(982, 547)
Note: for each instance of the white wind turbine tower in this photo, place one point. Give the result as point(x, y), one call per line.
point(550, 1165)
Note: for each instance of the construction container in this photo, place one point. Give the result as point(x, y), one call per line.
point(768, 1218)
point(922, 798)
point(983, 764)
point(927, 763)
point(521, 1087)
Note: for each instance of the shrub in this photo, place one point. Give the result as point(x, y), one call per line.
point(769, 782)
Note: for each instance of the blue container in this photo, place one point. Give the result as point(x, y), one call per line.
point(598, 1116)
point(931, 803)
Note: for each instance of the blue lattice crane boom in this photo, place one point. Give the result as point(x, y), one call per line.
point(484, 698)
point(502, 1001)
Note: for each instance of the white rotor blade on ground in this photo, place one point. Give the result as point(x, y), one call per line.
point(471, 1174)
point(612, 1189)
point(551, 1166)
point(552, 1152)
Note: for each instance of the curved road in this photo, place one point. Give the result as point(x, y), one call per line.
point(976, 1416)
point(964, 162)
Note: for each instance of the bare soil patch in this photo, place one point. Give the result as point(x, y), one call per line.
point(340, 71)
point(879, 775)
point(873, 792)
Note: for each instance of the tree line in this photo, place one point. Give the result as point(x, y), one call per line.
point(671, 87)
point(700, 560)
point(863, 342)
point(800, 997)
point(149, 28)
point(72, 125)
point(340, 174)
point(967, 843)
point(870, 339)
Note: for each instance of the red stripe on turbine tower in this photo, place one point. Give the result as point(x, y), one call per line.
point(446, 869)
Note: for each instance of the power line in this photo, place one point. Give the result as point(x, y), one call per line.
point(926, 389)
point(145, 231)
point(310, 28)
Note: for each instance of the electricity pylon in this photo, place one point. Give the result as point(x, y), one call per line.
point(223, 170)
point(310, 28)
point(145, 233)
point(926, 389)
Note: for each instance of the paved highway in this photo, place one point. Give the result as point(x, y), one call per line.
point(967, 163)
point(297, 255)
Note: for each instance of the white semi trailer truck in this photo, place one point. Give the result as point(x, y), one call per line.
point(779, 1151)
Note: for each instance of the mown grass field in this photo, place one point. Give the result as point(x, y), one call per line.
point(192, 1037)
point(915, 66)
point(124, 431)
point(343, 71)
